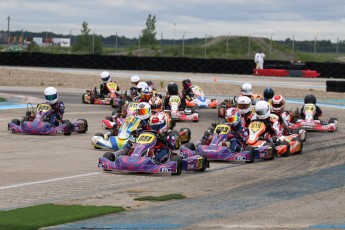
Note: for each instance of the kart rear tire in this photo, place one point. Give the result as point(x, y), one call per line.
point(92, 99)
point(178, 160)
point(15, 121)
point(69, 126)
point(300, 140)
point(109, 118)
point(85, 125)
point(274, 153)
point(190, 146)
point(83, 98)
point(113, 103)
point(251, 149)
point(189, 135)
point(332, 120)
point(219, 109)
point(114, 112)
point(110, 156)
point(205, 163)
point(287, 153)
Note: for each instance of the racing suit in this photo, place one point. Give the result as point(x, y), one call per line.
point(238, 137)
point(317, 115)
point(166, 105)
point(188, 93)
point(103, 90)
point(57, 115)
point(259, 60)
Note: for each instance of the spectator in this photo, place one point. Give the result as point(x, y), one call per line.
point(259, 59)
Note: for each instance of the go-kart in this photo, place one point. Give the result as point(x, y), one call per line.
point(199, 99)
point(141, 159)
point(116, 119)
point(310, 124)
point(127, 131)
point(226, 104)
point(92, 97)
point(218, 150)
point(189, 114)
point(38, 123)
point(259, 142)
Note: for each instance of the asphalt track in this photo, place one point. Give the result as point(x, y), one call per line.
point(302, 191)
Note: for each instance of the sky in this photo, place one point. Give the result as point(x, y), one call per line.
point(177, 19)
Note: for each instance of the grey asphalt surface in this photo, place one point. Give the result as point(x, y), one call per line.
point(302, 191)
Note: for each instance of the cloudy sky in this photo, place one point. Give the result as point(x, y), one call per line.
point(301, 19)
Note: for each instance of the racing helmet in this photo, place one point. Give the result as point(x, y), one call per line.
point(186, 83)
point(232, 116)
point(105, 76)
point(143, 110)
point(159, 122)
point(135, 80)
point(310, 99)
point(51, 95)
point(246, 89)
point(141, 86)
point(146, 93)
point(278, 104)
point(268, 93)
point(262, 110)
point(244, 104)
point(172, 88)
point(156, 104)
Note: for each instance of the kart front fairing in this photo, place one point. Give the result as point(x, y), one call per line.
point(38, 128)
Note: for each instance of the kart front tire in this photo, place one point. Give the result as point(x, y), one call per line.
point(85, 125)
point(83, 98)
point(92, 99)
point(301, 141)
point(287, 153)
point(178, 160)
point(252, 154)
point(273, 149)
point(110, 156)
point(205, 163)
point(69, 128)
point(15, 121)
point(189, 133)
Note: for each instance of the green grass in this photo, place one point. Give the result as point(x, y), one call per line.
point(2, 99)
point(161, 198)
point(49, 215)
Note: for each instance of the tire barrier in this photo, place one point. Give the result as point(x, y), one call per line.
point(285, 73)
point(335, 86)
point(171, 64)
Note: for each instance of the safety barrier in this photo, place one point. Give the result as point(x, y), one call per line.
point(285, 73)
point(335, 86)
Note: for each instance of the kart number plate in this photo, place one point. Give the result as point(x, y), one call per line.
point(133, 105)
point(43, 107)
point(111, 85)
point(145, 138)
point(130, 119)
point(309, 108)
point(175, 99)
point(256, 125)
point(222, 129)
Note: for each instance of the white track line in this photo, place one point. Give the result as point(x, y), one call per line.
point(47, 181)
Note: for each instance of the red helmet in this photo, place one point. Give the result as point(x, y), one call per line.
point(232, 116)
point(159, 122)
point(278, 104)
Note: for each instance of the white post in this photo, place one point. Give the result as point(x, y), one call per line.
point(183, 44)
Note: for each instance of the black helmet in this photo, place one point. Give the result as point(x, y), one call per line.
point(310, 98)
point(172, 88)
point(268, 93)
point(149, 83)
point(186, 83)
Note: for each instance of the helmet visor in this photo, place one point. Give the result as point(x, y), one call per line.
point(232, 119)
point(243, 106)
point(260, 112)
point(135, 83)
point(51, 97)
point(143, 111)
point(106, 79)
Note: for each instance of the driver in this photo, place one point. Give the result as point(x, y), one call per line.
point(134, 89)
point(187, 91)
point(103, 90)
point(58, 107)
point(172, 89)
point(311, 99)
point(247, 90)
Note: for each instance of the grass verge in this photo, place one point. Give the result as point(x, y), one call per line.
point(45, 215)
point(2, 99)
point(161, 198)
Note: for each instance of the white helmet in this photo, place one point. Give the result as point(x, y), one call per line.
point(105, 76)
point(244, 104)
point(142, 86)
point(262, 110)
point(51, 96)
point(246, 89)
point(135, 80)
point(143, 110)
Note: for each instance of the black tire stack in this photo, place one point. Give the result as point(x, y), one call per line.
point(335, 86)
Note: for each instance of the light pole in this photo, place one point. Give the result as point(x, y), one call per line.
point(183, 44)
point(315, 47)
point(227, 46)
point(271, 47)
point(174, 32)
point(47, 31)
point(93, 42)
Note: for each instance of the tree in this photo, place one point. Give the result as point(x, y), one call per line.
point(148, 36)
point(88, 43)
